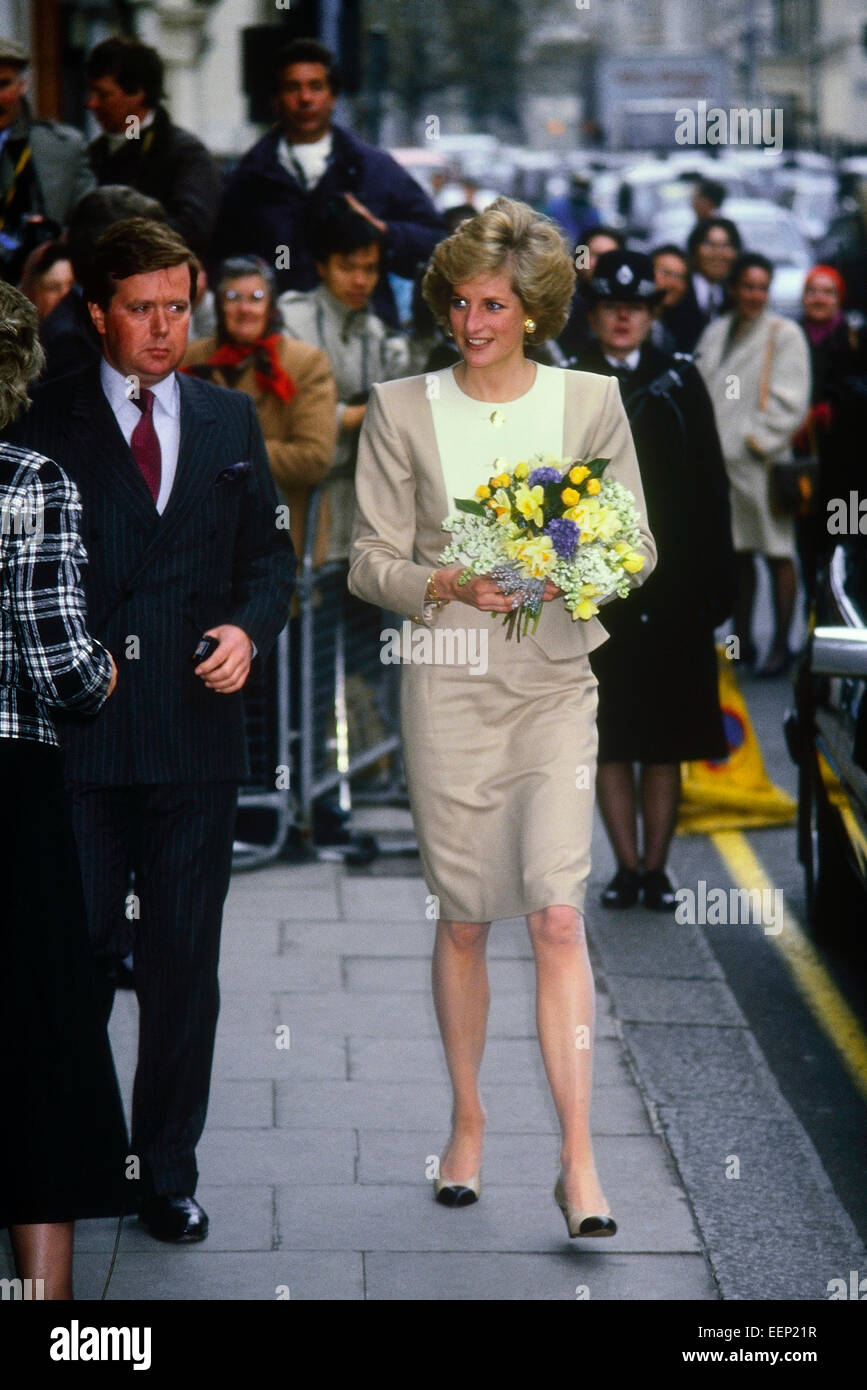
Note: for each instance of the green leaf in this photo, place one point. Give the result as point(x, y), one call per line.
point(465, 504)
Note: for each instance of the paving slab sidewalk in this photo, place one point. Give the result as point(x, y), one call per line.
point(330, 1099)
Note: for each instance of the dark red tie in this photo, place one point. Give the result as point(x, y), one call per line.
point(145, 444)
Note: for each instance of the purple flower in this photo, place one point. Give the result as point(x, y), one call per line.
point(564, 536)
point(543, 475)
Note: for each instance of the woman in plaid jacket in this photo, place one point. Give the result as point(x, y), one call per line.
point(62, 1133)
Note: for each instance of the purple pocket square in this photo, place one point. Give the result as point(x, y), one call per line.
point(234, 472)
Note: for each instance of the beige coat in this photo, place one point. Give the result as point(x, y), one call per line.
point(299, 434)
point(401, 503)
point(753, 439)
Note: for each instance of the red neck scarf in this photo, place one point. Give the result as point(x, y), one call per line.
point(270, 375)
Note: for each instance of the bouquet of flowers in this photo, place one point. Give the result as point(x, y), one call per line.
point(556, 519)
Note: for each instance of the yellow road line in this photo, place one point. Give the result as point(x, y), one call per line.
point(813, 981)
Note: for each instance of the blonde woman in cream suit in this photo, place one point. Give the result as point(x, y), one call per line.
point(501, 765)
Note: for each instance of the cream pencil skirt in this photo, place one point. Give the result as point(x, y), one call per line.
point(501, 771)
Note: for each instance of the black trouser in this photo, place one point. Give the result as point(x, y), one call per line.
point(177, 840)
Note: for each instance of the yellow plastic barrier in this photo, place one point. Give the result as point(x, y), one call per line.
point(735, 793)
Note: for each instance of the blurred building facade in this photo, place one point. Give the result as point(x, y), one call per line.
point(562, 75)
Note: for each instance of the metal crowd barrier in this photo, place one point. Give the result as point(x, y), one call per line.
point(348, 700)
point(269, 748)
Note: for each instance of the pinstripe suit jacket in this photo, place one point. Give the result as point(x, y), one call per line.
point(216, 555)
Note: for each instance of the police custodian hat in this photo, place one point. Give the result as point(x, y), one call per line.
point(624, 277)
point(13, 54)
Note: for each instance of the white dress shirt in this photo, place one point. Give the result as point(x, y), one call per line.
point(630, 362)
point(166, 417)
point(311, 159)
point(711, 297)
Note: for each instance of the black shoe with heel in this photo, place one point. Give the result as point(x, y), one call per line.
point(659, 891)
point(623, 889)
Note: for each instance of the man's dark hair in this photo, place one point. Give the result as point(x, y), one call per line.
point(712, 190)
point(708, 224)
point(307, 51)
point(334, 228)
point(134, 66)
point(100, 209)
point(750, 260)
point(668, 248)
point(614, 233)
point(456, 216)
point(134, 247)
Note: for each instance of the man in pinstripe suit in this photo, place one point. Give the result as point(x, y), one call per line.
point(183, 532)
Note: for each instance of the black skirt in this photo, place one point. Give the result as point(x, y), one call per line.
point(658, 694)
point(63, 1138)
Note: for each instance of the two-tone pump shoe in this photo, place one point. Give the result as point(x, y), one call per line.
point(458, 1194)
point(582, 1223)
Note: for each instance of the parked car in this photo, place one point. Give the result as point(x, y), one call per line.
point(763, 227)
point(826, 732)
point(649, 189)
point(811, 198)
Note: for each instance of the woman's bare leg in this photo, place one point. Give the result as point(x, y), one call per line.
point(461, 997)
point(615, 794)
point(44, 1252)
point(660, 797)
point(565, 1011)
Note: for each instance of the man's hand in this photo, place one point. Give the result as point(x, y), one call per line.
point(356, 206)
point(229, 666)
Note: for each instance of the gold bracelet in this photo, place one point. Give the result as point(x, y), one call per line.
point(431, 588)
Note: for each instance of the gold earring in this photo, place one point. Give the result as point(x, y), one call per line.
point(529, 325)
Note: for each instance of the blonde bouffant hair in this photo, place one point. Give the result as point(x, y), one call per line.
point(509, 236)
point(21, 355)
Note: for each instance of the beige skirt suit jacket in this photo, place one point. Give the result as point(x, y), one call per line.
point(500, 761)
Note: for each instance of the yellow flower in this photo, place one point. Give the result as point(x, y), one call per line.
point(607, 522)
point(502, 480)
point(536, 557)
point(527, 502)
point(521, 470)
point(502, 505)
point(633, 562)
point(586, 515)
point(593, 487)
point(578, 474)
point(622, 547)
point(483, 492)
point(570, 496)
point(589, 590)
point(585, 609)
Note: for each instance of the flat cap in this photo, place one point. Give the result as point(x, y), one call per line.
point(13, 53)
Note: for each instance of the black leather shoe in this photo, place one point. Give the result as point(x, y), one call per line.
point(623, 889)
point(174, 1218)
point(659, 891)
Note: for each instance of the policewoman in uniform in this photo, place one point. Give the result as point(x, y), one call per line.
point(658, 692)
